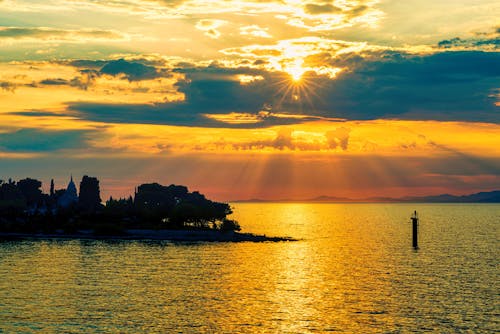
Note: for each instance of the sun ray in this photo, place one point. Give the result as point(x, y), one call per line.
point(302, 95)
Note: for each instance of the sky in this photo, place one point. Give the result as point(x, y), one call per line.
point(242, 99)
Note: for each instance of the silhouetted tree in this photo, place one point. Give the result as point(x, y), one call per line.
point(12, 200)
point(229, 225)
point(177, 207)
point(119, 209)
point(52, 191)
point(90, 198)
point(30, 189)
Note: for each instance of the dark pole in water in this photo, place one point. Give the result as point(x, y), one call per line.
point(414, 220)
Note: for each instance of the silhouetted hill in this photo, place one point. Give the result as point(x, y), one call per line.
point(253, 200)
point(481, 197)
point(330, 199)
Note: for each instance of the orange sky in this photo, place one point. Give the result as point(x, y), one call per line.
point(253, 99)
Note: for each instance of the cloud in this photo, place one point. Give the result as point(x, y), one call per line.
point(348, 12)
point(54, 82)
point(82, 82)
point(443, 86)
point(483, 43)
point(86, 63)
point(8, 86)
point(37, 34)
point(209, 26)
point(288, 139)
point(170, 3)
point(312, 16)
point(138, 114)
point(86, 78)
point(312, 8)
point(133, 71)
point(323, 16)
point(358, 11)
point(133, 68)
point(489, 40)
point(89, 71)
point(35, 140)
point(452, 86)
point(178, 114)
point(338, 137)
point(219, 92)
point(37, 113)
point(293, 53)
point(255, 31)
point(283, 139)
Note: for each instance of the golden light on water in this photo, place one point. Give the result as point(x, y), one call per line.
point(351, 271)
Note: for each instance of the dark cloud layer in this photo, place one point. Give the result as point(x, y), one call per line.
point(133, 71)
point(34, 140)
point(86, 78)
point(483, 40)
point(470, 43)
point(90, 70)
point(443, 86)
point(179, 114)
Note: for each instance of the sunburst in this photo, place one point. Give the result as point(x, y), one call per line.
point(298, 88)
point(300, 84)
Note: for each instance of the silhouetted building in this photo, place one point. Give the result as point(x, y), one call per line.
point(70, 196)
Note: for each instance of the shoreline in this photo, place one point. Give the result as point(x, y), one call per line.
point(160, 235)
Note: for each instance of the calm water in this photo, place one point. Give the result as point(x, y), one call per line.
point(353, 272)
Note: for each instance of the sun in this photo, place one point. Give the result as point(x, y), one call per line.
point(295, 69)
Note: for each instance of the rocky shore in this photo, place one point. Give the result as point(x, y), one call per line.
point(143, 234)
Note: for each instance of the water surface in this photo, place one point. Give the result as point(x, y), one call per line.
point(353, 271)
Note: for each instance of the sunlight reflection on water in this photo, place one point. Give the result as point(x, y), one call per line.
point(353, 271)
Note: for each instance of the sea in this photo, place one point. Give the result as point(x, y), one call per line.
point(352, 270)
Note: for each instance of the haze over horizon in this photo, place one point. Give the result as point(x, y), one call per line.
point(245, 99)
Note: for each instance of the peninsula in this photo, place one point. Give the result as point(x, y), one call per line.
point(154, 212)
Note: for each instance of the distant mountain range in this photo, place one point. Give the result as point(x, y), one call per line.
point(481, 197)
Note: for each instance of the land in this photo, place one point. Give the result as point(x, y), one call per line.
point(155, 212)
point(481, 197)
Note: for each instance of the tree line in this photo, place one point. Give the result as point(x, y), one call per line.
point(24, 207)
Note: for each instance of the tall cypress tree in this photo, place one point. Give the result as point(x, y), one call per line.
point(90, 196)
point(52, 191)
